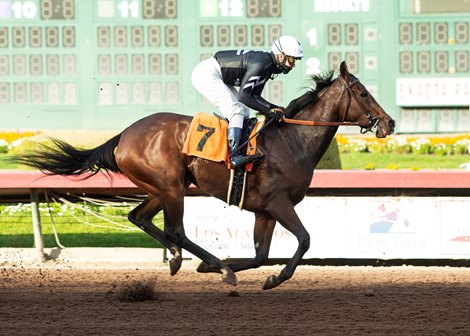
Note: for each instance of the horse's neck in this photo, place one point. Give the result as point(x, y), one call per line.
point(326, 108)
point(316, 139)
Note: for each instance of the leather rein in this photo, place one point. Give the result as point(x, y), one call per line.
point(373, 121)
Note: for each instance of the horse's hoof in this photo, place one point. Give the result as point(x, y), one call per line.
point(175, 265)
point(228, 276)
point(271, 282)
point(203, 268)
point(176, 261)
point(206, 268)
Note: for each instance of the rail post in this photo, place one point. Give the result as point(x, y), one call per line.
point(38, 239)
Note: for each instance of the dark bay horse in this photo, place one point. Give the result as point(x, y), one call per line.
point(149, 154)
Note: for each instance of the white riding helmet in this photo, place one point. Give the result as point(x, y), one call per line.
point(287, 45)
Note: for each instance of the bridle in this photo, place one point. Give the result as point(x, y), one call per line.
point(373, 121)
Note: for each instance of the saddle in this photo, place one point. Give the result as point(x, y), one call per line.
point(207, 139)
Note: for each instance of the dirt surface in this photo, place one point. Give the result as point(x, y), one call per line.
point(316, 301)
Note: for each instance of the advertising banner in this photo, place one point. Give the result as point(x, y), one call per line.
point(341, 227)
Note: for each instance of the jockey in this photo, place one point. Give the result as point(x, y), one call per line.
point(216, 78)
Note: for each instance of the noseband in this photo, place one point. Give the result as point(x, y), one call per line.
point(373, 121)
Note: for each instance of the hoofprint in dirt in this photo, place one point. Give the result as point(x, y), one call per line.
point(318, 300)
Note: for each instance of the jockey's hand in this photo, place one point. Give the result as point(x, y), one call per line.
point(276, 113)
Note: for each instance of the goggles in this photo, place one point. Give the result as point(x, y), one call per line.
point(292, 59)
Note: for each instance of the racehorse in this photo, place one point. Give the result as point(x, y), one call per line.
point(149, 153)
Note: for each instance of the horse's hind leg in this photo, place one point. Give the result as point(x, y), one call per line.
point(174, 205)
point(142, 216)
point(262, 235)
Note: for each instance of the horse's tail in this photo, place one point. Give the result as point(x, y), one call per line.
point(61, 158)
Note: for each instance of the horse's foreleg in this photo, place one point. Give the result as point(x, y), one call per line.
point(283, 211)
point(142, 217)
point(174, 213)
point(262, 235)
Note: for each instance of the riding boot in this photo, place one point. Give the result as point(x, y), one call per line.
point(237, 159)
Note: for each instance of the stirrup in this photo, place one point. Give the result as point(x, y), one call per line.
point(239, 160)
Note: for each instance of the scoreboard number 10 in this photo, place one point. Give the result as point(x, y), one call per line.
point(49, 10)
point(26, 10)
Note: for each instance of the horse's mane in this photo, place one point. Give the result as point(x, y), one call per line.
point(311, 96)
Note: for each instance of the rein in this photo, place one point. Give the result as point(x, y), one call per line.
point(373, 121)
point(318, 123)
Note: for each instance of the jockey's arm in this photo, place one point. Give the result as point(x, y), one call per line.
point(250, 92)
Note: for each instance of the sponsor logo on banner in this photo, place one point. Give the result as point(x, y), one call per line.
point(455, 233)
point(227, 232)
point(389, 231)
point(389, 218)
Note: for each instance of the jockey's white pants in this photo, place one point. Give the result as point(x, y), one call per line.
point(207, 79)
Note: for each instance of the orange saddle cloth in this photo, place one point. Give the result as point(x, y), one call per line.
point(207, 139)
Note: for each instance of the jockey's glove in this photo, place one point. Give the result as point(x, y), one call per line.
point(276, 113)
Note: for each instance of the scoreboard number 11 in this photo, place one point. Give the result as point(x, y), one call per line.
point(151, 9)
point(129, 9)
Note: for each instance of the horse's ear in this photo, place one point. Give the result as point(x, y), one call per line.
point(343, 70)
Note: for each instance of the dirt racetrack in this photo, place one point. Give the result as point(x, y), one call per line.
point(316, 301)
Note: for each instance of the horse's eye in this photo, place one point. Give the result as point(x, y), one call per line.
point(364, 94)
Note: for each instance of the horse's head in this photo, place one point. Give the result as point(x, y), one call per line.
point(359, 106)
